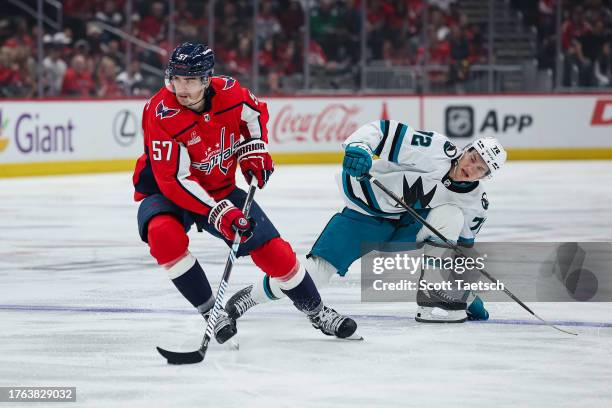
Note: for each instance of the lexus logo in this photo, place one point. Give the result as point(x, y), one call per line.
point(125, 127)
point(459, 121)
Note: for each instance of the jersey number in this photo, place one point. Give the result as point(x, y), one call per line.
point(478, 224)
point(158, 147)
point(421, 138)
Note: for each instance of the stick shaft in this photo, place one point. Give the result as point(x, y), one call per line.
point(229, 264)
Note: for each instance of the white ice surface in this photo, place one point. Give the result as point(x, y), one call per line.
point(70, 243)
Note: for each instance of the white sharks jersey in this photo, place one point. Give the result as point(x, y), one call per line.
point(414, 165)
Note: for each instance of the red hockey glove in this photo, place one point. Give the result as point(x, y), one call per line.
point(227, 219)
point(255, 161)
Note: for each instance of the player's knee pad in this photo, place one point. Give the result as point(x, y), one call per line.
point(168, 241)
point(446, 219)
point(320, 270)
point(275, 257)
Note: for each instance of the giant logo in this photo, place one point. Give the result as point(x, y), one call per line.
point(32, 134)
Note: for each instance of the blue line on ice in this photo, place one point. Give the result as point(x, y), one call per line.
point(95, 309)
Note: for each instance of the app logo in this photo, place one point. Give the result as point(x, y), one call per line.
point(459, 121)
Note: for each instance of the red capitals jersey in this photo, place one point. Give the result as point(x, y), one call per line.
point(190, 157)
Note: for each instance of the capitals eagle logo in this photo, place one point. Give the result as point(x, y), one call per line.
point(163, 112)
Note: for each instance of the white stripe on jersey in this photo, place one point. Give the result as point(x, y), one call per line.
point(251, 117)
point(184, 171)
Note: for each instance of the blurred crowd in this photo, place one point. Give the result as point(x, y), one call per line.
point(586, 37)
point(87, 58)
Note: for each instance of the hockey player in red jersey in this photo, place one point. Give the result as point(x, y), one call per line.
point(197, 130)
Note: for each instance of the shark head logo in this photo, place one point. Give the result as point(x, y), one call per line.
point(3, 125)
point(414, 195)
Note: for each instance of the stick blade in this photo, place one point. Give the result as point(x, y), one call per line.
point(178, 358)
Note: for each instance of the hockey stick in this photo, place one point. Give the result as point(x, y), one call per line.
point(193, 357)
point(457, 249)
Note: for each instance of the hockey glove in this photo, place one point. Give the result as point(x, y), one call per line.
point(255, 161)
point(357, 159)
point(227, 219)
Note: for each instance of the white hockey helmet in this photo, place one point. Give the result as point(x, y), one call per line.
point(491, 151)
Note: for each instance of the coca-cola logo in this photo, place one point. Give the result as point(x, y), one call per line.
point(334, 123)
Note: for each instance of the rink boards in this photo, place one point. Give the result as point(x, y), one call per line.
point(80, 136)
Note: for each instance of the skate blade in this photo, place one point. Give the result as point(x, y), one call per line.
point(354, 337)
point(437, 315)
point(233, 343)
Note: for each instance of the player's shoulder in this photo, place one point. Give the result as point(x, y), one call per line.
point(228, 90)
point(229, 94)
point(443, 147)
point(164, 110)
point(223, 84)
point(479, 201)
point(163, 105)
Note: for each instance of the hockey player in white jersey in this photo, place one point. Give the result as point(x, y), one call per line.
point(441, 182)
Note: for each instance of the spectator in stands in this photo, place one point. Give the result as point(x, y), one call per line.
point(109, 14)
point(438, 54)
point(151, 27)
point(10, 77)
point(267, 22)
point(132, 81)
point(240, 61)
point(459, 56)
point(78, 80)
point(443, 5)
point(350, 24)
point(324, 22)
point(574, 27)
point(292, 19)
point(21, 35)
point(106, 85)
point(290, 58)
point(478, 51)
point(593, 40)
point(397, 53)
point(546, 17)
point(54, 66)
point(273, 82)
point(316, 55)
point(603, 66)
point(112, 50)
point(438, 24)
point(267, 58)
point(577, 69)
